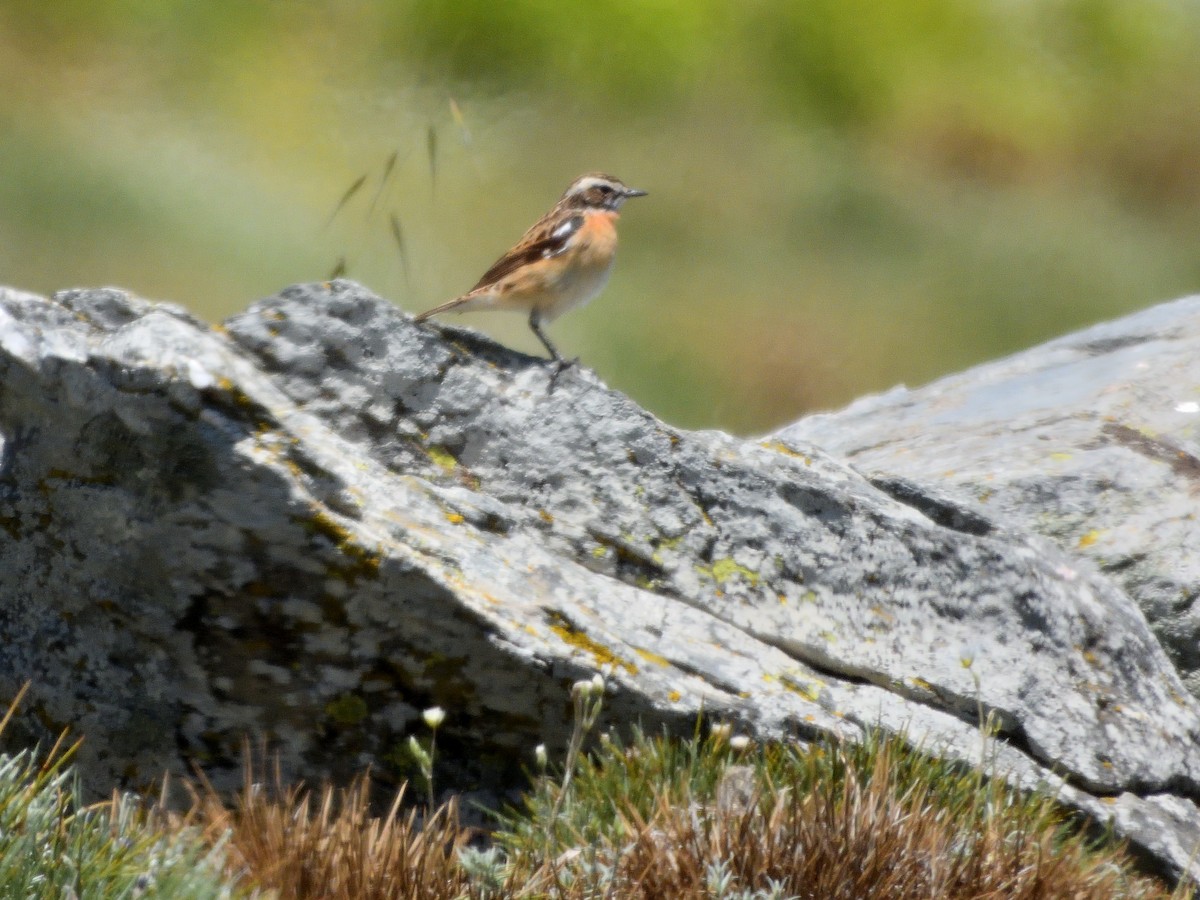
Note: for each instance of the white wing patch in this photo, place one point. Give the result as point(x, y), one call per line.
point(560, 237)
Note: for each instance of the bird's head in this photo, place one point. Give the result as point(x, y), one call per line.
point(598, 191)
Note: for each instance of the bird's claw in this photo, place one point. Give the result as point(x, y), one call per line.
point(560, 366)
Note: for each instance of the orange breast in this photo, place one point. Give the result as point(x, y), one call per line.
point(597, 239)
point(568, 280)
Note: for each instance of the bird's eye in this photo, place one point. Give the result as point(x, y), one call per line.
point(604, 188)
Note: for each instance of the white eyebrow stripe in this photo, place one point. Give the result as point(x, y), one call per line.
point(587, 183)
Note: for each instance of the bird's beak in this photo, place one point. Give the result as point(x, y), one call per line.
point(633, 192)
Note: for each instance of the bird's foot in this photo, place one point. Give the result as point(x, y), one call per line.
point(560, 366)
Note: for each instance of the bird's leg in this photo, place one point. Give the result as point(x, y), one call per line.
point(535, 322)
point(560, 365)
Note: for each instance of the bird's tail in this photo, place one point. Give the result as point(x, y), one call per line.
point(458, 304)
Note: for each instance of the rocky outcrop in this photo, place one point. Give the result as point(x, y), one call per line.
point(318, 519)
point(1092, 440)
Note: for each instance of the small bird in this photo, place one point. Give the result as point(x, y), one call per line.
point(560, 263)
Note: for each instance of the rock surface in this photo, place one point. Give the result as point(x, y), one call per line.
point(1092, 440)
point(319, 519)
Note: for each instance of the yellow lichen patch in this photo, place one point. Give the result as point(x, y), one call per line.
point(455, 518)
point(57, 474)
point(346, 710)
point(674, 696)
point(805, 689)
point(322, 523)
point(665, 544)
point(442, 458)
point(1089, 538)
point(242, 400)
point(580, 641)
point(723, 570)
point(368, 560)
point(1062, 457)
point(546, 516)
point(599, 552)
point(780, 447)
point(651, 657)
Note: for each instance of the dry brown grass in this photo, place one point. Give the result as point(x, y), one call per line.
point(845, 823)
point(331, 846)
point(863, 839)
point(654, 822)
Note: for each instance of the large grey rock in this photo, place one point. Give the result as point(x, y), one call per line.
point(1092, 440)
point(312, 523)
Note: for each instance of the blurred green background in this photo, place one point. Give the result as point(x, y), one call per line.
point(844, 195)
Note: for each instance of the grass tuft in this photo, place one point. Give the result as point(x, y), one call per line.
point(53, 845)
point(715, 817)
point(330, 845)
point(660, 819)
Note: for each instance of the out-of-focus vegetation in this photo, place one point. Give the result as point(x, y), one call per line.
point(843, 195)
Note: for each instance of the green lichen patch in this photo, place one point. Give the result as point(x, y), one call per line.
point(722, 571)
point(635, 565)
point(442, 458)
point(666, 544)
point(347, 710)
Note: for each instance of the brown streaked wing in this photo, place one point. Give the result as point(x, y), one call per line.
point(539, 243)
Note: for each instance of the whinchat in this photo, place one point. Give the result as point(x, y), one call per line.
point(560, 263)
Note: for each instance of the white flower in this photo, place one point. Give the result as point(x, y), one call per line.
point(739, 742)
point(968, 653)
point(434, 717)
point(543, 758)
